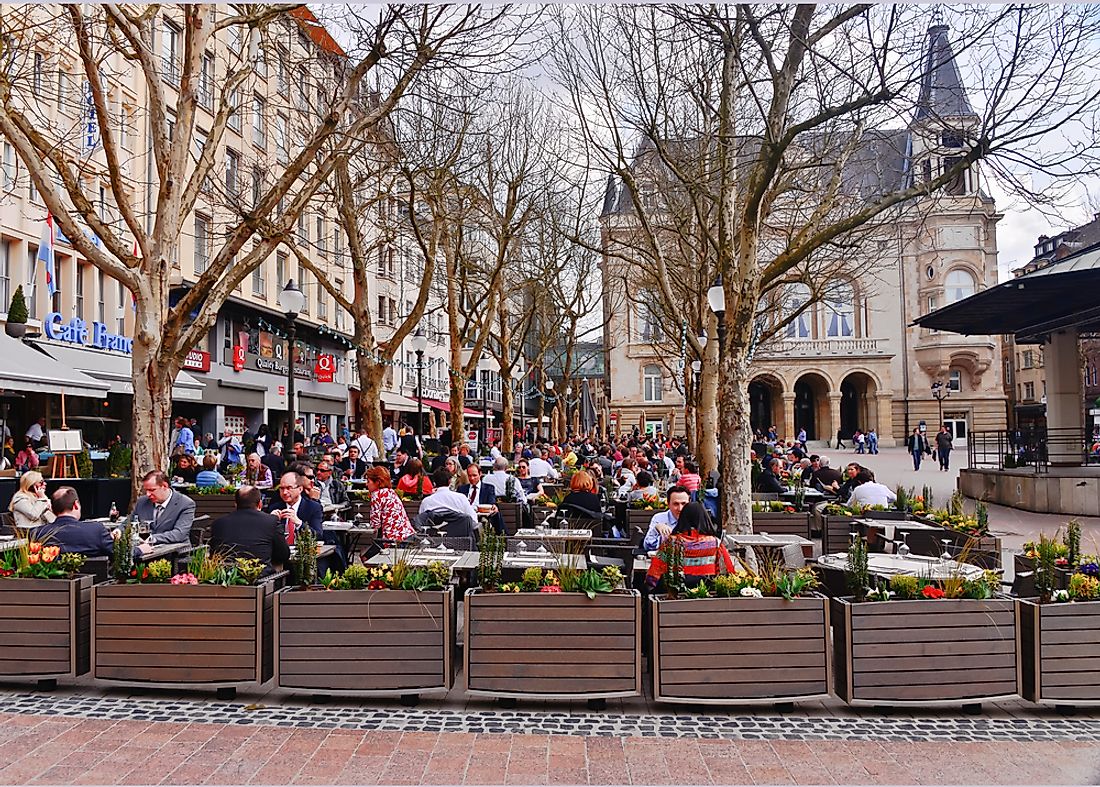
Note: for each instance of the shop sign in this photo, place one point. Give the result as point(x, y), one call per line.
point(325, 369)
point(77, 331)
point(197, 361)
point(238, 357)
point(471, 439)
point(279, 367)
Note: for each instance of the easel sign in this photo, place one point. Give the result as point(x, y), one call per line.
point(65, 445)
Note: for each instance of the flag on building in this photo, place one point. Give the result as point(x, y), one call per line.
point(46, 254)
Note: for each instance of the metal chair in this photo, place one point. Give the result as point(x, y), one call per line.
point(7, 524)
point(458, 543)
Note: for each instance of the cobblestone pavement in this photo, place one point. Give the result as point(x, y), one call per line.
point(47, 739)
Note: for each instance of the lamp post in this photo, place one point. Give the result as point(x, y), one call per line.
point(940, 392)
point(716, 299)
point(291, 301)
point(483, 376)
point(419, 345)
point(568, 408)
point(549, 397)
point(521, 371)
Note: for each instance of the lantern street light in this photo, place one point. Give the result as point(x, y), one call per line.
point(940, 392)
point(291, 300)
point(716, 299)
point(420, 345)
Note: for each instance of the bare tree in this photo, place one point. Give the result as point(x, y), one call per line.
point(757, 114)
point(174, 86)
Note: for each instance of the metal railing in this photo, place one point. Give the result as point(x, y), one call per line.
point(1036, 449)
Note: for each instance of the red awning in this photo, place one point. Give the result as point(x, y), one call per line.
point(446, 407)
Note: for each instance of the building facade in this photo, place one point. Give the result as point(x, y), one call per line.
point(853, 360)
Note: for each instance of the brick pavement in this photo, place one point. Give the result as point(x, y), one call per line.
point(68, 750)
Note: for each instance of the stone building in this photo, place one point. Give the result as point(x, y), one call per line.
point(852, 361)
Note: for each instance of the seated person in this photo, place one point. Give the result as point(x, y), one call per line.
point(828, 477)
point(171, 513)
point(531, 487)
point(869, 492)
point(250, 533)
point(696, 533)
point(387, 513)
point(501, 479)
point(689, 479)
point(186, 470)
point(414, 481)
point(209, 475)
point(662, 523)
point(482, 495)
point(69, 532)
point(769, 480)
point(448, 503)
point(844, 490)
point(256, 473)
point(27, 458)
point(584, 496)
point(295, 509)
point(327, 488)
point(643, 487)
point(30, 506)
point(352, 466)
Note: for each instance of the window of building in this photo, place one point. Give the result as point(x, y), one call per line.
point(322, 303)
point(39, 73)
point(5, 274)
point(257, 185)
point(649, 322)
point(59, 276)
point(303, 229)
point(260, 61)
point(302, 274)
point(1029, 391)
point(232, 171)
point(9, 167)
point(206, 81)
point(281, 154)
point(234, 121)
point(81, 270)
point(797, 296)
point(652, 383)
point(1008, 372)
point(930, 272)
point(1027, 359)
point(280, 71)
point(321, 235)
point(259, 286)
point(338, 246)
point(840, 305)
point(954, 380)
point(280, 270)
point(303, 88)
point(960, 181)
point(170, 52)
point(124, 303)
point(101, 294)
point(959, 284)
point(259, 121)
point(202, 242)
point(236, 38)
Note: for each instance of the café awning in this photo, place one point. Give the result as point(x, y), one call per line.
point(398, 403)
point(116, 370)
point(29, 370)
point(446, 407)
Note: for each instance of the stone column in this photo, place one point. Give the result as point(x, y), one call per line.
point(834, 416)
point(885, 416)
point(1064, 404)
point(788, 431)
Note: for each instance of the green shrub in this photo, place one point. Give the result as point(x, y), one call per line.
point(356, 577)
point(17, 309)
point(905, 586)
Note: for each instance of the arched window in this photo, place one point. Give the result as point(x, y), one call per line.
point(840, 314)
point(797, 296)
point(959, 284)
point(652, 383)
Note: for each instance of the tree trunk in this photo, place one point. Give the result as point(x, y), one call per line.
point(736, 440)
point(153, 373)
point(370, 397)
point(458, 407)
point(507, 415)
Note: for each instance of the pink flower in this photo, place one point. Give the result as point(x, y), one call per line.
point(550, 589)
point(184, 579)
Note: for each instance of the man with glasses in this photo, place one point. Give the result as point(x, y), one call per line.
point(328, 490)
point(294, 509)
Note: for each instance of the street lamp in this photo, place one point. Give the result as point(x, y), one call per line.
point(716, 299)
point(568, 407)
point(550, 397)
point(940, 392)
point(483, 374)
point(291, 300)
point(521, 371)
point(420, 345)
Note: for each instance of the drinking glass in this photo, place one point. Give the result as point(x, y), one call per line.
point(145, 527)
point(903, 547)
point(946, 556)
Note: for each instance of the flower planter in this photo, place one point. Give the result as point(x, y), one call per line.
point(727, 651)
point(1060, 652)
point(553, 645)
point(365, 642)
point(775, 522)
point(183, 636)
point(44, 628)
point(925, 652)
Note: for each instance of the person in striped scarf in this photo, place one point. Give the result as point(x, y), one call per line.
point(695, 531)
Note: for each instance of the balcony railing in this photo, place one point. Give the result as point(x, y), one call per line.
point(817, 348)
point(1036, 449)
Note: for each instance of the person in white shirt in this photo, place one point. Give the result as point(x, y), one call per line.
point(541, 468)
point(443, 498)
point(368, 449)
point(36, 433)
point(389, 439)
point(500, 479)
point(869, 492)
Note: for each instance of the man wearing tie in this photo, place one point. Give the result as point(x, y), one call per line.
point(482, 494)
point(171, 513)
point(294, 509)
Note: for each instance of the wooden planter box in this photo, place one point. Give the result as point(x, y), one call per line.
point(364, 642)
point(1060, 652)
point(774, 522)
point(183, 636)
point(45, 627)
point(934, 652)
point(727, 651)
point(553, 645)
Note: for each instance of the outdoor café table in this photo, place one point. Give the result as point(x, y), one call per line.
point(541, 559)
point(552, 534)
point(461, 563)
point(889, 531)
point(886, 566)
point(332, 508)
point(809, 494)
point(351, 535)
point(8, 544)
point(767, 541)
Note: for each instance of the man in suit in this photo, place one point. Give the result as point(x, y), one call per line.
point(273, 459)
point(249, 532)
point(480, 493)
point(72, 534)
point(294, 509)
point(353, 466)
point(172, 513)
point(769, 479)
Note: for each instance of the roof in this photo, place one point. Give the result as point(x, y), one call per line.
point(316, 31)
point(1059, 296)
point(941, 90)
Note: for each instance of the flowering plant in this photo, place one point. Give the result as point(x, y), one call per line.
point(38, 560)
point(184, 579)
point(649, 503)
point(931, 591)
point(400, 576)
point(773, 507)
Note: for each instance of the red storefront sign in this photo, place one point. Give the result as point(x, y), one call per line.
point(197, 361)
point(325, 368)
point(238, 357)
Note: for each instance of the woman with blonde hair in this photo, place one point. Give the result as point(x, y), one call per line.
point(30, 506)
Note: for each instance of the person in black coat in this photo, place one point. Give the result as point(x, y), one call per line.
point(410, 445)
point(294, 507)
point(249, 532)
point(583, 497)
point(69, 532)
point(274, 460)
point(769, 479)
point(481, 494)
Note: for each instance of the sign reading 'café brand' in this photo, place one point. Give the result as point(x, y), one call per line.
point(77, 331)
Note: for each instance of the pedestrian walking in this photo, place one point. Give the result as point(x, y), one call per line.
point(918, 447)
point(839, 439)
point(872, 442)
point(859, 441)
point(943, 448)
